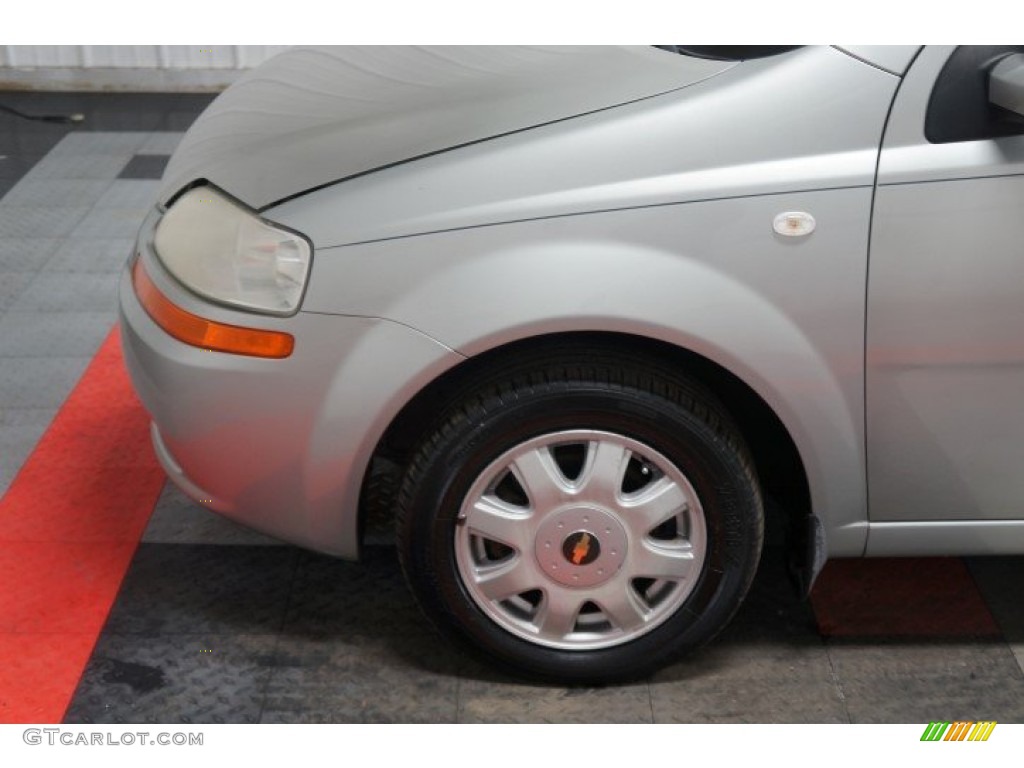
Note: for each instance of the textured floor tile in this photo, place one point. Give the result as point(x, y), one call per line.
point(145, 167)
point(331, 597)
point(209, 589)
point(1001, 580)
point(174, 679)
point(486, 701)
point(87, 292)
point(179, 520)
point(914, 597)
point(768, 665)
point(362, 680)
point(92, 255)
point(26, 254)
point(123, 143)
point(35, 221)
point(12, 285)
point(109, 224)
point(78, 167)
point(755, 682)
point(161, 143)
point(50, 193)
point(139, 194)
point(41, 382)
point(914, 681)
point(52, 334)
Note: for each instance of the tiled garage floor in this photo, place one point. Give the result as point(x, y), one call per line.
point(217, 624)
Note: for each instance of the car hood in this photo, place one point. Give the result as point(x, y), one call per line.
point(313, 116)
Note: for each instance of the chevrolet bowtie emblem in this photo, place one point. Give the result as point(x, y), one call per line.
point(581, 548)
point(579, 552)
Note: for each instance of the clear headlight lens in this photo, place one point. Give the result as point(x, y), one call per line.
point(225, 252)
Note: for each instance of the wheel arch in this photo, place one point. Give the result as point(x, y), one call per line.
point(780, 467)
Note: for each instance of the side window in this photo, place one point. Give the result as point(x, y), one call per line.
point(958, 109)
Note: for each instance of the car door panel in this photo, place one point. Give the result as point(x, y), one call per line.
point(945, 331)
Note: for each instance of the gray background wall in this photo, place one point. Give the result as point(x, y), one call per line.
point(128, 67)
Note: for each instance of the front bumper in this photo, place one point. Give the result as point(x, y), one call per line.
point(278, 445)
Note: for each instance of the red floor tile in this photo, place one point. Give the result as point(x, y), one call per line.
point(60, 587)
point(39, 674)
point(914, 597)
point(69, 525)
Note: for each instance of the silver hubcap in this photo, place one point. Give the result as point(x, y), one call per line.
point(580, 540)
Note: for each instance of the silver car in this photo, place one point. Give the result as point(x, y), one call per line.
point(569, 315)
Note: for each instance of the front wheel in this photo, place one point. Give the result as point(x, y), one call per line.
point(581, 523)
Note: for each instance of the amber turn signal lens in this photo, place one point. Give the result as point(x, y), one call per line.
point(206, 334)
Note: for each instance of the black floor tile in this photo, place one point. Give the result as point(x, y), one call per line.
point(112, 111)
point(768, 666)
point(29, 138)
point(179, 588)
point(174, 679)
point(346, 679)
point(335, 597)
point(14, 166)
point(145, 167)
point(907, 681)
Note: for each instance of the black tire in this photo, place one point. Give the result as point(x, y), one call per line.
point(635, 402)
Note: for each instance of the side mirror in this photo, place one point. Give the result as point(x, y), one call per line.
point(1006, 84)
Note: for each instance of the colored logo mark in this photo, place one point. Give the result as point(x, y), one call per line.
point(959, 731)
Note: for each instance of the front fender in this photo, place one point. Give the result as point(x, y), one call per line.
point(784, 315)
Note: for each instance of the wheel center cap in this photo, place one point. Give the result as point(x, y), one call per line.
point(580, 546)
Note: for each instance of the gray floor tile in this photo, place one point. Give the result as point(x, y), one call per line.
point(26, 254)
point(161, 143)
point(52, 334)
point(38, 382)
point(79, 167)
point(174, 679)
point(750, 683)
point(92, 255)
point(26, 417)
point(139, 194)
point(1001, 580)
point(23, 221)
point(124, 143)
point(484, 701)
point(87, 292)
point(179, 520)
point(109, 224)
point(20, 430)
point(362, 680)
point(7, 475)
point(917, 682)
point(12, 285)
point(52, 192)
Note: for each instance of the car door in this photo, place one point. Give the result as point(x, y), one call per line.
point(945, 330)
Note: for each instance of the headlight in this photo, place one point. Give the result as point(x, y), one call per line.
point(227, 253)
